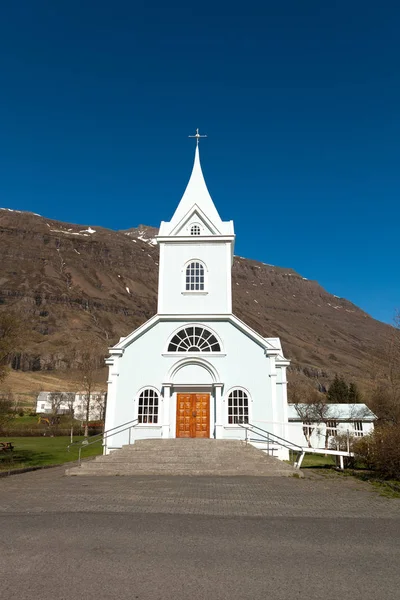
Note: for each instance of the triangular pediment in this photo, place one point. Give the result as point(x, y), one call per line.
point(195, 216)
point(272, 345)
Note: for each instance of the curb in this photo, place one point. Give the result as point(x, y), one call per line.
point(41, 468)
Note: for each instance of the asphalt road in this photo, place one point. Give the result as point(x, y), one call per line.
point(110, 553)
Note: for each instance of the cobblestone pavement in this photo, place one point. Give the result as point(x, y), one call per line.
point(50, 491)
point(197, 538)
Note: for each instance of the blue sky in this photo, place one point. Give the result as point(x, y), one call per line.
point(300, 100)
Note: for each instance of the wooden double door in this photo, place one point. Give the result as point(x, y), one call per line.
point(193, 415)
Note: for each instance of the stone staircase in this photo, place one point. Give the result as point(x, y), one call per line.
point(186, 457)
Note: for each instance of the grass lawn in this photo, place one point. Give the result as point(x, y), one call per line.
point(32, 423)
point(315, 461)
point(41, 451)
point(24, 422)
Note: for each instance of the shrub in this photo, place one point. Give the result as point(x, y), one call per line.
point(380, 451)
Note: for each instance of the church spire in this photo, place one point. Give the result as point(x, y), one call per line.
point(196, 195)
point(196, 205)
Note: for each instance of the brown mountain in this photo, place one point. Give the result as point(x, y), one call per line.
point(77, 284)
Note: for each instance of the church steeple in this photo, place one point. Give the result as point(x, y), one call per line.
point(196, 252)
point(196, 199)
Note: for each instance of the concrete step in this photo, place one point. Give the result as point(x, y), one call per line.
point(195, 457)
point(136, 460)
point(175, 473)
point(151, 469)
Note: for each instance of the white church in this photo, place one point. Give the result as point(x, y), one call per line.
point(194, 369)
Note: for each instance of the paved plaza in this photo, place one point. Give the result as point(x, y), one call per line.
point(196, 537)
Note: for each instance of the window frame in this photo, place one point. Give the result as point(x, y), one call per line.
point(358, 428)
point(137, 407)
point(249, 402)
point(191, 226)
point(331, 426)
point(194, 326)
point(188, 292)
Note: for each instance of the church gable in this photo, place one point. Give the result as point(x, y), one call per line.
point(272, 346)
point(195, 223)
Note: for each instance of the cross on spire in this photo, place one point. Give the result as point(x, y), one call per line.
point(197, 136)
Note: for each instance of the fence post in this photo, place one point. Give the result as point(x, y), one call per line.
point(348, 441)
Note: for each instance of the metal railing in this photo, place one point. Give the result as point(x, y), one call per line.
point(271, 438)
point(104, 436)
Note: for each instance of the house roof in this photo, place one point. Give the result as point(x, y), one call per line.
point(337, 412)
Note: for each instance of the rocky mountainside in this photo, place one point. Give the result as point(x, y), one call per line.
point(77, 285)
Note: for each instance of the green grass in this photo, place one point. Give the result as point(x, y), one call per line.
point(33, 422)
point(23, 422)
point(386, 488)
point(389, 488)
point(315, 461)
point(320, 461)
point(41, 451)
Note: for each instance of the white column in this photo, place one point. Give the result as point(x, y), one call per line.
point(111, 408)
point(273, 379)
point(166, 411)
point(218, 412)
point(284, 401)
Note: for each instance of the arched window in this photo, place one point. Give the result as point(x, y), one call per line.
point(195, 277)
point(195, 230)
point(238, 407)
point(194, 339)
point(148, 406)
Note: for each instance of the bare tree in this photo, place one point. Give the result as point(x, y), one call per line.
point(100, 399)
point(314, 411)
point(70, 402)
point(321, 413)
point(12, 336)
point(89, 365)
point(56, 399)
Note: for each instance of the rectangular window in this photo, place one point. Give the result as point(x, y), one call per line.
point(331, 428)
point(358, 428)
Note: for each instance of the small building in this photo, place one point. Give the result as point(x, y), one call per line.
point(317, 426)
point(62, 402)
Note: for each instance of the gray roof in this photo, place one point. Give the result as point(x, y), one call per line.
point(338, 412)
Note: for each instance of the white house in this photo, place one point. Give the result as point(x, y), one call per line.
point(315, 428)
point(45, 404)
point(194, 369)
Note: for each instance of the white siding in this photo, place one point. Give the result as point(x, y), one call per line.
point(172, 296)
point(144, 363)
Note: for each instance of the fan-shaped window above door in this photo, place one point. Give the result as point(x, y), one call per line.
point(194, 339)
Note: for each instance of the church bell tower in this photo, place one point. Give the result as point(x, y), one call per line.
point(196, 254)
